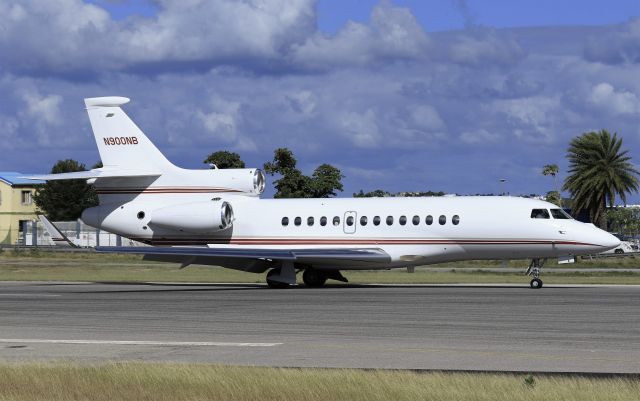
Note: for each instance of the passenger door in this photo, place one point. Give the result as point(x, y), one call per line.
point(350, 221)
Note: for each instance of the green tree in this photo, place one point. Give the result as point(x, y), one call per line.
point(554, 197)
point(225, 159)
point(65, 200)
point(323, 183)
point(378, 193)
point(552, 170)
point(598, 171)
point(624, 220)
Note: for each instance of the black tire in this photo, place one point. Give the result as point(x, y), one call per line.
point(536, 283)
point(275, 284)
point(619, 251)
point(313, 278)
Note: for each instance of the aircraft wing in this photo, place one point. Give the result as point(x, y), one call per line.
point(96, 173)
point(254, 259)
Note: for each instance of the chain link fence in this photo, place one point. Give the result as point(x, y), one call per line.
point(77, 232)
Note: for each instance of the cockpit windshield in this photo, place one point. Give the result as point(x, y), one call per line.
point(560, 214)
point(540, 214)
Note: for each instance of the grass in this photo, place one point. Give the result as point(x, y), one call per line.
point(156, 381)
point(36, 265)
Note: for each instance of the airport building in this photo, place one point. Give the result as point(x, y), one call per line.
point(17, 209)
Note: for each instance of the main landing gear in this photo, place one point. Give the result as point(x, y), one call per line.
point(534, 270)
point(285, 276)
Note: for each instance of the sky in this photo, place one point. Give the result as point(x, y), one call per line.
point(401, 95)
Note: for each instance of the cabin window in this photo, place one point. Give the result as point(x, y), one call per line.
point(285, 221)
point(455, 220)
point(323, 221)
point(442, 220)
point(389, 220)
point(309, 221)
point(336, 221)
point(415, 220)
point(429, 220)
point(363, 220)
point(376, 221)
point(403, 220)
point(350, 221)
point(560, 214)
point(297, 221)
point(540, 214)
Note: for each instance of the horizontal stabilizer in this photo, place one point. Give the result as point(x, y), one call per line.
point(96, 173)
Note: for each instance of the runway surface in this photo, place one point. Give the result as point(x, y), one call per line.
point(512, 328)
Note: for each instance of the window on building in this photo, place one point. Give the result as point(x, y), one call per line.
point(310, 221)
point(297, 221)
point(363, 220)
point(540, 214)
point(336, 221)
point(376, 220)
point(26, 197)
point(285, 221)
point(323, 221)
point(403, 220)
point(429, 220)
point(389, 220)
point(455, 220)
point(442, 220)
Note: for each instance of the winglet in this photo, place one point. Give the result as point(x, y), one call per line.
point(57, 236)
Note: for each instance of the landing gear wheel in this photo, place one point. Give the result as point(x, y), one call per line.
point(313, 278)
point(273, 283)
point(536, 283)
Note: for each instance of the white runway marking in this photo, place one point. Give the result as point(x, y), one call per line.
point(29, 295)
point(134, 342)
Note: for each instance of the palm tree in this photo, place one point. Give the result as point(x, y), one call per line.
point(552, 170)
point(598, 171)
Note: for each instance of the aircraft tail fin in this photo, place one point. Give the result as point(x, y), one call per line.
point(122, 145)
point(57, 236)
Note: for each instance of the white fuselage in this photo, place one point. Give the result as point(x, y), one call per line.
point(487, 227)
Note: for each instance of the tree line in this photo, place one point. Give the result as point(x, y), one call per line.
point(600, 170)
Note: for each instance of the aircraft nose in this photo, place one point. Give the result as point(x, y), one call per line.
point(608, 241)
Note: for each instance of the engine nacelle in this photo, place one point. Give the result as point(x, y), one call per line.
point(239, 179)
point(196, 217)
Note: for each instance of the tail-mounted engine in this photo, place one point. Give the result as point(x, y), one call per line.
point(195, 217)
point(238, 180)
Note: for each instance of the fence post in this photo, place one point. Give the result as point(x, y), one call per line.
point(97, 237)
point(34, 233)
point(118, 240)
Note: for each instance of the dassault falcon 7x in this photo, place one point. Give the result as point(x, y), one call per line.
point(216, 217)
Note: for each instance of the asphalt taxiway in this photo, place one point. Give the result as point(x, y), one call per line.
point(495, 328)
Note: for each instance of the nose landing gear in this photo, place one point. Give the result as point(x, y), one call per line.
point(534, 270)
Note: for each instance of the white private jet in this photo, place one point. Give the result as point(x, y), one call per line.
point(216, 217)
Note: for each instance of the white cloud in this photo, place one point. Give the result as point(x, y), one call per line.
point(223, 122)
point(361, 128)
point(604, 96)
point(393, 33)
point(481, 136)
point(484, 46)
